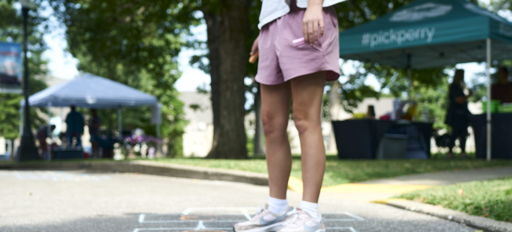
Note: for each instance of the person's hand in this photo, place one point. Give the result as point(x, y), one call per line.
point(313, 23)
point(254, 51)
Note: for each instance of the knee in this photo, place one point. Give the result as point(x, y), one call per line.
point(272, 125)
point(304, 123)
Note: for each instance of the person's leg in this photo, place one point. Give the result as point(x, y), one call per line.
point(73, 140)
point(94, 145)
point(79, 140)
point(458, 134)
point(463, 135)
point(43, 145)
point(451, 142)
point(462, 143)
point(307, 92)
point(69, 137)
point(275, 101)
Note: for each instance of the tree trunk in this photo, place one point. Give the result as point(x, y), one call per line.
point(228, 24)
point(258, 129)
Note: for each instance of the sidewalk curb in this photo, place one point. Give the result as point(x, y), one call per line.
point(146, 167)
point(486, 224)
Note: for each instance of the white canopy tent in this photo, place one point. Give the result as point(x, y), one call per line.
point(90, 91)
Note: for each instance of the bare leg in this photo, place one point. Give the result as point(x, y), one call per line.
point(307, 92)
point(275, 101)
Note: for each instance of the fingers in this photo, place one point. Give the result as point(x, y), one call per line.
point(254, 51)
point(310, 31)
point(305, 30)
point(313, 30)
point(321, 27)
point(253, 58)
point(254, 48)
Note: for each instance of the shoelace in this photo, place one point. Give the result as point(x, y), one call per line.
point(299, 216)
point(258, 215)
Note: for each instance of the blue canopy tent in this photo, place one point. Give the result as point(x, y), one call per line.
point(432, 33)
point(90, 91)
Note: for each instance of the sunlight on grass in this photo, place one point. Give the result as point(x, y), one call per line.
point(491, 199)
point(347, 171)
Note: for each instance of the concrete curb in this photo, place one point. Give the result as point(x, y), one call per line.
point(146, 167)
point(488, 225)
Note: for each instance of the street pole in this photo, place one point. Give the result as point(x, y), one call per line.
point(27, 149)
point(489, 101)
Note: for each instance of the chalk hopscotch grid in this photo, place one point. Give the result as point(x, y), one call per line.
point(243, 213)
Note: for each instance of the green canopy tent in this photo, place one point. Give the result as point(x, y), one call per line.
point(432, 33)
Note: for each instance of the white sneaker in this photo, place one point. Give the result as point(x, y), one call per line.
point(262, 221)
point(301, 221)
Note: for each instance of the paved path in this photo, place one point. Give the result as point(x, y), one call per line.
point(75, 201)
point(448, 177)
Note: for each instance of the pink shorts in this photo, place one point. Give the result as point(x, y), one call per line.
point(283, 57)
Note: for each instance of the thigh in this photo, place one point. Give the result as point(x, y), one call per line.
point(269, 72)
point(275, 103)
point(307, 92)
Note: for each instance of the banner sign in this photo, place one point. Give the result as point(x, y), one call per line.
point(10, 67)
point(398, 37)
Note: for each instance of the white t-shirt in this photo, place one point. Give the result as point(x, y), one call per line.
point(273, 9)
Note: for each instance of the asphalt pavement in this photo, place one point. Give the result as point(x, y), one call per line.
point(76, 201)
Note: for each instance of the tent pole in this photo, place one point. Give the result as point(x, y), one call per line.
point(22, 119)
point(119, 122)
point(49, 131)
point(489, 115)
point(408, 68)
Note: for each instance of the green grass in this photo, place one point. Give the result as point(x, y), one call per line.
point(337, 171)
point(492, 199)
point(348, 171)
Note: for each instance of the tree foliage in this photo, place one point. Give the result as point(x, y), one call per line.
point(11, 31)
point(500, 5)
point(136, 43)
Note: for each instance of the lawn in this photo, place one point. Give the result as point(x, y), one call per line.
point(492, 199)
point(337, 171)
point(348, 171)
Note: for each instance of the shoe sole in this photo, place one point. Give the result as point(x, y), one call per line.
point(319, 230)
point(269, 228)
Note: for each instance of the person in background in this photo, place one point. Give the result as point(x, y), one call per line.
point(410, 113)
point(457, 115)
point(370, 112)
point(94, 131)
point(63, 138)
point(398, 106)
point(502, 89)
point(42, 134)
point(75, 127)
